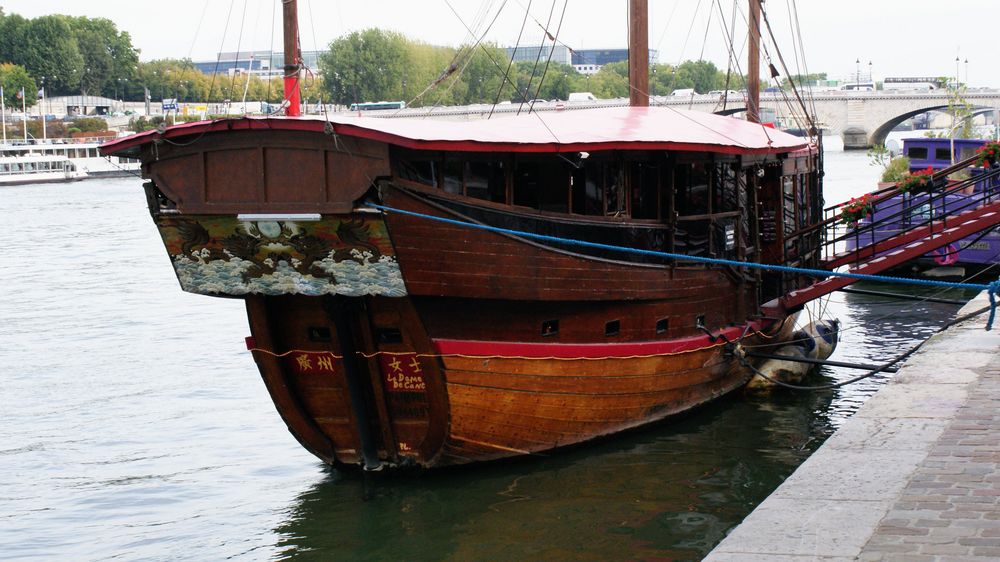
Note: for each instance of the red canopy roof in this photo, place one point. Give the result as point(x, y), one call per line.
point(614, 128)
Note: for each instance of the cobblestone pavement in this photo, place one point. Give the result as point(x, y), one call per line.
point(949, 509)
point(914, 475)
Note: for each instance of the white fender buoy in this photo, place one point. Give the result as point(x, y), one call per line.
point(817, 340)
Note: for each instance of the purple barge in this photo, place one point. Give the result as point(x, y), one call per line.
point(902, 212)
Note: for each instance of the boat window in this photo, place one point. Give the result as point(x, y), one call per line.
point(550, 327)
point(942, 154)
point(615, 188)
point(613, 328)
point(803, 201)
point(661, 325)
point(788, 192)
point(4, 168)
point(29, 167)
point(691, 190)
point(645, 183)
point(726, 191)
point(588, 189)
point(420, 171)
point(542, 185)
point(452, 176)
point(92, 152)
point(917, 152)
point(486, 180)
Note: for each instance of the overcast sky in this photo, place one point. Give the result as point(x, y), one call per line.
point(898, 37)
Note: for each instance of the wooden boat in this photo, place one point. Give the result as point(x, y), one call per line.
point(388, 337)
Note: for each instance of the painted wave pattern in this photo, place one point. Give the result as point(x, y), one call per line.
point(357, 277)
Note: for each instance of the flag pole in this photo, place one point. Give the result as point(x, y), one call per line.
point(3, 116)
point(24, 117)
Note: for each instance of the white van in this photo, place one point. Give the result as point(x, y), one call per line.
point(684, 92)
point(581, 96)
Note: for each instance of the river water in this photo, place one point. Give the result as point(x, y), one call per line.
point(134, 425)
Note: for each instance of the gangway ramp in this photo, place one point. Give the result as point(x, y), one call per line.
point(900, 252)
point(906, 237)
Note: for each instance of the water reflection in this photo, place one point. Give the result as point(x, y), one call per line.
point(668, 492)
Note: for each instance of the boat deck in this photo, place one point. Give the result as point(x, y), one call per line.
point(913, 475)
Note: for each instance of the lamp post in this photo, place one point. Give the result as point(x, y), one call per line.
point(966, 72)
point(956, 73)
point(857, 73)
point(870, 77)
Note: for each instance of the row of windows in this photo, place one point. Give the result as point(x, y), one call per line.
point(596, 186)
point(67, 151)
point(943, 154)
point(33, 167)
point(611, 328)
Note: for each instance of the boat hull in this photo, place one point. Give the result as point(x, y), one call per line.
point(436, 402)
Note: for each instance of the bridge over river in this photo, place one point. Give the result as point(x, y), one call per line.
point(861, 118)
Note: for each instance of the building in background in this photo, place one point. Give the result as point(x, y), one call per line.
point(585, 61)
point(266, 64)
point(560, 53)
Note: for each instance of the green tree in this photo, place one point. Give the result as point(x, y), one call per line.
point(701, 75)
point(108, 55)
point(12, 31)
point(611, 81)
point(13, 78)
point(365, 66)
point(49, 51)
point(961, 113)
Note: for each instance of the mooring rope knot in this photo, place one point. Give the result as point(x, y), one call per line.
point(992, 290)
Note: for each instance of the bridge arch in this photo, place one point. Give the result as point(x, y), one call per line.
point(882, 131)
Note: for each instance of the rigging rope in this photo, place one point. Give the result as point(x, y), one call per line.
point(538, 57)
point(991, 288)
point(510, 63)
point(549, 60)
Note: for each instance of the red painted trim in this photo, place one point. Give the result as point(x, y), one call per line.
point(292, 95)
point(317, 126)
point(479, 348)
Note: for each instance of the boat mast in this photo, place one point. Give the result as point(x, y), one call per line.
point(638, 53)
point(753, 64)
point(290, 17)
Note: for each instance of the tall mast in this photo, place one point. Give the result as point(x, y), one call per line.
point(638, 53)
point(290, 17)
point(753, 66)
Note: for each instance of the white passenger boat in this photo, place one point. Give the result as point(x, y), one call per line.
point(35, 168)
point(82, 154)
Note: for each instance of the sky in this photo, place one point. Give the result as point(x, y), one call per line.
point(840, 37)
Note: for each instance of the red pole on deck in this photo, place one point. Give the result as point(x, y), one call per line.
point(290, 17)
point(638, 53)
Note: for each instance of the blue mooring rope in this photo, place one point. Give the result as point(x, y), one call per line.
point(992, 289)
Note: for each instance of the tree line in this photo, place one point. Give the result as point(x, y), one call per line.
point(64, 55)
point(79, 55)
point(379, 65)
